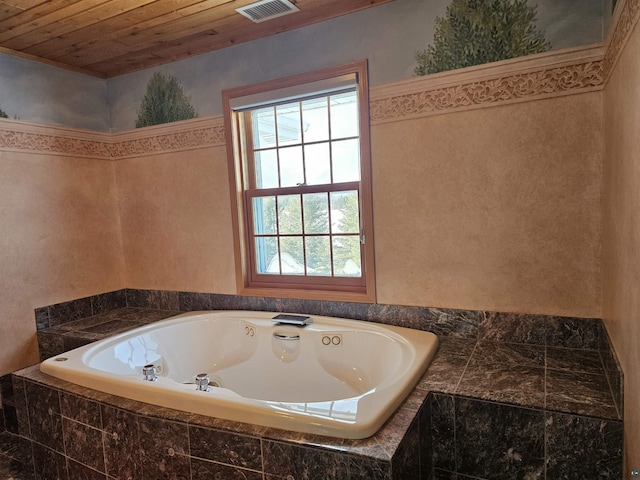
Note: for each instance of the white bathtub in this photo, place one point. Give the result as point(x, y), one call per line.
point(341, 378)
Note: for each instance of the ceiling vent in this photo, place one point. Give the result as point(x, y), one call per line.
point(267, 9)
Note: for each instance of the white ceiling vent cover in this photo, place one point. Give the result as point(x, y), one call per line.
point(267, 9)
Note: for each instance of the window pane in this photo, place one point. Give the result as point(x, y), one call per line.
point(346, 256)
point(264, 128)
point(266, 169)
point(264, 216)
point(288, 124)
point(291, 171)
point(267, 258)
point(289, 214)
point(345, 161)
point(292, 258)
point(316, 213)
point(318, 256)
point(317, 164)
point(344, 115)
point(345, 213)
point(315, 119)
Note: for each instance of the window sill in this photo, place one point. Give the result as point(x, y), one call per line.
point(304, 294)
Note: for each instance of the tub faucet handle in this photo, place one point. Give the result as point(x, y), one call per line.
point(149, 372)
point(202, 382)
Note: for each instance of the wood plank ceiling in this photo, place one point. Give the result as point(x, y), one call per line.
point(106, 38)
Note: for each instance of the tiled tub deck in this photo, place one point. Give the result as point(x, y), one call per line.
point(507, 397)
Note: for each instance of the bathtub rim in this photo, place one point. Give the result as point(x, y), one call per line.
point(366, 427)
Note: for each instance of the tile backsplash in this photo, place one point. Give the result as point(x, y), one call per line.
point(569, 332)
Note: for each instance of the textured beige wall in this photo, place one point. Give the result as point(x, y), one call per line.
point(176, 221)
point(621, 231)
point(496, 208)
point(60, 240)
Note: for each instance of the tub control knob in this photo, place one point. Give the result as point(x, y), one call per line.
point(202, 382)
point(149, 372)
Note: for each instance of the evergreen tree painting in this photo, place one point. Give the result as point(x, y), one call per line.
point(474, 32)
point(164, 102)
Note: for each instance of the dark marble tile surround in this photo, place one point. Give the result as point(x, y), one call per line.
point(507, 396)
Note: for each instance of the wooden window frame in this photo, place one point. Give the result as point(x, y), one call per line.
point(241, 177)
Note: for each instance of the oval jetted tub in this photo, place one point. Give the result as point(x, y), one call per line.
point(335, 377)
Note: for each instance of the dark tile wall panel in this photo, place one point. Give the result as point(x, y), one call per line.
point(49, 464)
point(98, 440)
point(50, 344)
point(42, 318)
point(164, 449)
point(16, 457)
point(581, 393)
point(158, 299)
point(298, 461)
point(613, 371)
point(78, 471)
point(426, 440)
point(61, 313)
point(120, 443)
point(574, 332)
point(442, 430)
point(515, 328)
point(69, 311)
point(20, 403)
point(77, 436)
point(406, 462)
point(572, 442)
point(363, 468)
point(498, 441)
point(497, 326)
point(225, 447)
point(206, 470)
point(106, 302)
point(45, 419)
point(80, 409)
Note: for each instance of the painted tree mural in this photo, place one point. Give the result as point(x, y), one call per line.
point(474, 32)
point(164, 102)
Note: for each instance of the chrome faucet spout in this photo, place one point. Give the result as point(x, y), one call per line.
point(297, 320)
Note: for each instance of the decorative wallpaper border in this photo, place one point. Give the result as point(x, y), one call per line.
point(17, 136)
point(539, 76)
point(178, 136)
point(29, 137)
point(625, 18)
